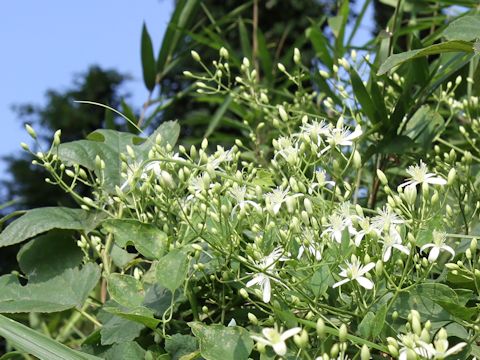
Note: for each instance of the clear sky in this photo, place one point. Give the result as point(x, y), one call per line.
point(45, 42)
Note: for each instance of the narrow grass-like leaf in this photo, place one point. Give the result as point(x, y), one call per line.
point(36, 344)
point(148, 59)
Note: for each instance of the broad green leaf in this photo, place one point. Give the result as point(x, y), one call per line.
point(448, 46)
point(36, 344)
point(121, 257)
point(149, 240)
point(125, 351)
point(39, 260)
point(172, 269)
point(466, 28)
point(157, 299)
point(424, 126)
point(365, 327)
point(244, 39)
point(148, 60)
point(107, 144)
point(459, 311)
point(139, 315)
point(117, 330)
point(379, 321)
point(179, 345)
point(40, 220)
point(125, 290)
point(62, 292)
point(423, 298)
point(321, 280)
point(218, 342)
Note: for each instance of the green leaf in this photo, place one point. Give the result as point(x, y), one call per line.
point(39, 260)
point(148, 60)
point(139, 315)
point(182, 16)
point(40, 220)
point(121, 257)
point(64, 291)
point(466, 28)
point(459, 311)
point(36, 344)
point(117, 330)
point(363, 97)
point(172, 269)
point(125, 290)
point(149, 240)
point(321, 280)
point(320, 44)
point(449, 46)
point(179, 345)
point(424, 126)
point(218, 342)
point(157, 299)
point(366, 326)
point(379, 321)
point(125, 351)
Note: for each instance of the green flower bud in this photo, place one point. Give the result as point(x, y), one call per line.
point(195, 56)
point(381, 176)
point(365, 353)
point(30, 131)
point(342, 333)
point(320, 328)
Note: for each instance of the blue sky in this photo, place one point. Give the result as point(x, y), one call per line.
point(44, 43)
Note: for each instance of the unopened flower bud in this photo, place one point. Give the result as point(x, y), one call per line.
point(30, 131)
point(320, 328)
point(281, 67)
point(297, 57)
point(381, 176)
point(365, 353)
point(342, 333)
point(252, 318)
point(195, 56)
point(223, 52)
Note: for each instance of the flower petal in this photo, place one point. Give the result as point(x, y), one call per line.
point(366, 283)
point(341, 282)
point(433, 256)
point(280, 348)
point(290, 333)
point(267, 291)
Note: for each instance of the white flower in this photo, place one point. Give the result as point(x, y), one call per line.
point(232, 322)
point(386, 220)
point(199, 185)
point(321, 177)
point(271, 337)
point(308, 245)
point(390, 241)
point(267, 265)
point(419, 174)
point(277, 197)
point(342, 137)
point(289, 153)
point(240, 195)
point(315, 130)
point(220, 156)
point(410, 347)
point(440, 348)
point(438, 244)
point(367, 228)
point(355, 271)
point(337, 225)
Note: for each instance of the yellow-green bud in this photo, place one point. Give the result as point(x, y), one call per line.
point(381, 176)
point(283, 114)
point(195, 56)
point(281, 67)
point(24, 146)
point(320, 328)
point(297, 57)
point(223, 52)
point(357, 160)
point(30, 131)
point(452, 174)
point(252, 318)
point(365, 353)
point(301, 340)
point(342, 333)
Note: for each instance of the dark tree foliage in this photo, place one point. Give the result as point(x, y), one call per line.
point(282, 24)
